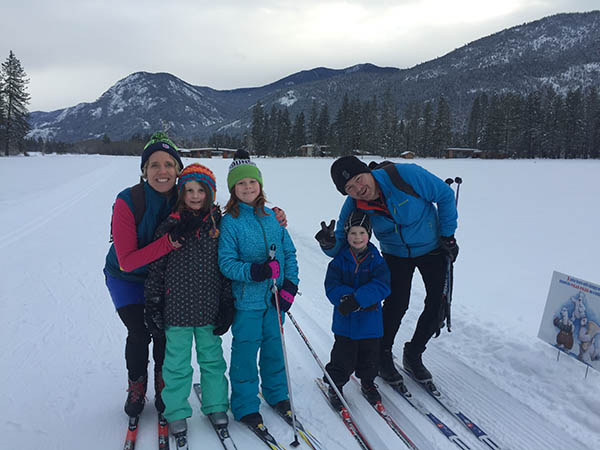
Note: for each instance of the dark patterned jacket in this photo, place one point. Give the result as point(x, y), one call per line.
point(189, 279)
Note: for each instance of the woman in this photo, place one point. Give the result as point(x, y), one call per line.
point(137, 211)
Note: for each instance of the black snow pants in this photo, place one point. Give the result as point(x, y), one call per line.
point(432, 267)
point(138, 340)
point(350, 355)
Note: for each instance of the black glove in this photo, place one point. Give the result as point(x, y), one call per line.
point(285, 296)
point(373, 307)
point(154, 314)
point(448, 244)
point(268, 269)
point(348, 304)
point(188, 224)
point(326, 235)
point(224, 318)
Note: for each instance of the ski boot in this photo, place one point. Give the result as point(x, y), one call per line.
point(387, 369)
point(218, 419)
point(136, 396)
point(252, 420)
point(178, 429)
point(335, 401)
point(159, 384)
point(369, 390)
point(413, 364)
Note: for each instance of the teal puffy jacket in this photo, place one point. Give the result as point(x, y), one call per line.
point(246, 239)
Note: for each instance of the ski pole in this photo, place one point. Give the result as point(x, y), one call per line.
point(458, 181)
point(316, 357)
point(448, 283)
point(295, 443)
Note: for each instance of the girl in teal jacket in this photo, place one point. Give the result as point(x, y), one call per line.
point(249, 231)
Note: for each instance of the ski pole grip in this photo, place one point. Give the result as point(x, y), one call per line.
point(272, 252)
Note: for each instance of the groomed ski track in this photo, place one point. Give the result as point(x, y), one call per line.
point(64, 376)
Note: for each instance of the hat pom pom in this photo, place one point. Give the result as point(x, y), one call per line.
point(159, 136)
point(241, 154)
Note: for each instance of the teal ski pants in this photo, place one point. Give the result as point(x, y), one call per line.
point(178, 371)
point(253, 331)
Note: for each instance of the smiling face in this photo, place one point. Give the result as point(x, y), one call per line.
point(362, 187)
point(161, 171)
point(194, 195)
point(358, 238)
point(247, 190)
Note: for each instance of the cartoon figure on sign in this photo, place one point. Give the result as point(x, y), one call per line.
point(588, 330)
point(578, 300)
point(564, 338)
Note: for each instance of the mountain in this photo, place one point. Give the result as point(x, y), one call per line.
point(560, 51)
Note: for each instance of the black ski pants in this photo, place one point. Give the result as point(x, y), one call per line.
point(432, 267)
point(138, 340)
point(350, 355)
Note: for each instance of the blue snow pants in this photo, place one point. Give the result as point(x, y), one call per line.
point(253, 331)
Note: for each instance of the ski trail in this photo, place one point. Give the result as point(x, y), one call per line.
point(510, 422)
point(46, 215)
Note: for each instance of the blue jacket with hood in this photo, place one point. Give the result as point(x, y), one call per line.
point(246, 239)
point(412, 226)
point(369, 281)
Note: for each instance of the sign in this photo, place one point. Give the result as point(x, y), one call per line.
point(571, 319)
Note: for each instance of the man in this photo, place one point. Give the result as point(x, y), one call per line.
point(413, 215)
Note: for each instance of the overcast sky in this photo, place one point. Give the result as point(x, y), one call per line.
point(74, 50)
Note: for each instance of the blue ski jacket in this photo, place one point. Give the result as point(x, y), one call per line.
point(369, 281)
point(411, 226)
point(246, 239)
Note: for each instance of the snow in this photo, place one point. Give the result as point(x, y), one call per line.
point(288, 99)
point(63, 375)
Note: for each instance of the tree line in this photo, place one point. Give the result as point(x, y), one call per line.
point(14, 99)
point(542, 124)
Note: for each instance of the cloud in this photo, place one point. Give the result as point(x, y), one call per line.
point(73, 50)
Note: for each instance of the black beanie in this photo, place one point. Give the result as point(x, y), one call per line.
point(159, 141)
point(345, 168)
point(358, 218)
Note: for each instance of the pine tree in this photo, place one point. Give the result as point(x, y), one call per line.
point(343, 128)
point(574, 125)
point(299, 131)
point(2, 112)
point(425, 144)
point(16, 100)
point(592, 123)
point(313, 122)
point(322, 134)
point(258, 141)
point(369, 138)
point(474, 124)
point(442, 130)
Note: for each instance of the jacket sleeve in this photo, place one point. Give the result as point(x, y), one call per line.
point(131, 257)
point(229, 256)
point(335, 288)
point(290, 270)
point(340, 236)
point(378, 286)
point(227, 297)
point(154, 286)
point(433, 189)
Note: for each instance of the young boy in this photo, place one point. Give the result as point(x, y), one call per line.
point(357, 280)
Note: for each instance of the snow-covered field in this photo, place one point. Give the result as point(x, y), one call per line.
point(63, 378)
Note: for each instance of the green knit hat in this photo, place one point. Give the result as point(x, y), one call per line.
point(159, 141)
point(241, 168)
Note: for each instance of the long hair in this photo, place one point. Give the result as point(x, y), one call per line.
point(180, 204)
point(233, 205)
